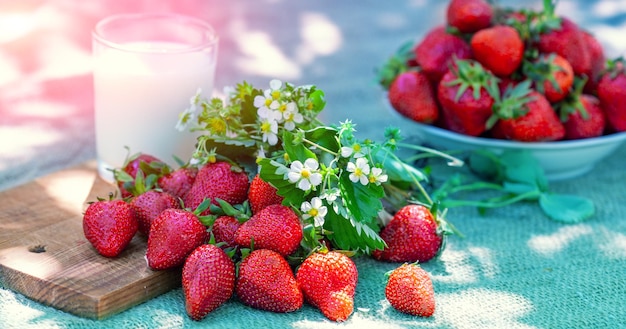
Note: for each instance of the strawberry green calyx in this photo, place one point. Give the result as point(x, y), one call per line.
point(512, 104)
point(615, 67)
point(542, 70)
point(572, 103)
point(472, 75)
point(396, 64)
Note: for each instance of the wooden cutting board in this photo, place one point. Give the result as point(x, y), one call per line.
point(67, 273)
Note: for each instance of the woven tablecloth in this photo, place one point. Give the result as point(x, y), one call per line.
point(515, 268)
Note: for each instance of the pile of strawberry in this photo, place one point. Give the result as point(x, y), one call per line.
point(232, 237)
point(503, 73)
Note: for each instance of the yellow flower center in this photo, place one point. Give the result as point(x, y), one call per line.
point(282, 107)
point(305, 173)
point(313, 212)
point(358, 172)
point(217, 126)
point(275, 94)
point(266, 127)
point(372, 179)
point(268, 101)
point(356, 148)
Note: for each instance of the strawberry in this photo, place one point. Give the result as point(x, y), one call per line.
point(612, 95)
point(208, 280)
point(536, 122)
point(552, 75)
point(267, 282)
point(262, 194)
point(328, 281)
point(174, 234)
point(109, 225)
point(221, 180)
point(499, 48)
point(587, 124)
point(466, 94)
point(178, 182)
point(410, 290)
point(412, 95)
point(596, 54)
point(275, 227)
point(148, 205)
point(411, 235)
point(569, 42)
point(126, 176)
point(581, 114)
point(435, 52)
point(224, 229)
point(469, 16)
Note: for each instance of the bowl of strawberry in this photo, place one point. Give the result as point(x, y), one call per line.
point(499, 78)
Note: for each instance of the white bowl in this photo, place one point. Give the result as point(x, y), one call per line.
point(560, 159)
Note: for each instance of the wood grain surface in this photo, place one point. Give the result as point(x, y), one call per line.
point(45, 256)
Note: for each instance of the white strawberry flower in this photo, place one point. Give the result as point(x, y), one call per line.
point(315, 210)
point(306, 175)
point(359, 171)
point(292, 116)
point(191, 113)
point(354, 150)
point(376, 176)
point(269, 129)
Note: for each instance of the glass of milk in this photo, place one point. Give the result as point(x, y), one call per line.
point(146, 69)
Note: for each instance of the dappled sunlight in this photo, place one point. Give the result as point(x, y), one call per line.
point(608, 8)
point(21, 142)
point(320, 36)
point(261, 56)
point(63, 58)
point(16, 25)
point(69, 188)
point(482, 308)
point(42, 109)
point(548, 245)
point(466, 266)
point(614, 247)
point(38, 265)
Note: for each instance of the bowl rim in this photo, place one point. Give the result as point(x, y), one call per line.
point(501, 143)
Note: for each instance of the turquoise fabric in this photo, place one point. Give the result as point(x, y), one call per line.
point(515, 268)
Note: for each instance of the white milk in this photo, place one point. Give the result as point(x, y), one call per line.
point(138, 99)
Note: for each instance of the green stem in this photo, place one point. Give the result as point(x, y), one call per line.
point(488, 204)
point(453, 161)
point(319, 147)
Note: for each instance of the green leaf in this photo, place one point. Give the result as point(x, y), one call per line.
point(566, 208)
point(351, 235)
point(296, 151)
point(521, 167)
point(362, 202)
point(275, 173)
point(325, 137)
point(397, 170)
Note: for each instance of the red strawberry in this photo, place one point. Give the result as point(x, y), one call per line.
point(466, 97)
point(267, 282)
point(412, 95)
point(275, 227)
point(218, 180)
point(436, 51)
point(328, 282)
point(552, 75)
point(224, 229)
point(262, 194)
point(125, 177)
point(410, 290)
point(612, 95)
point(499, 48)
point(174, 234)
point(179, 181)
point(149, 205)
point(411, 235)
point(109, 225)
point(208, 280)
point(569, 42)
point(469, 16)
point(537, 122)
point(596, 54)
point(587, 124)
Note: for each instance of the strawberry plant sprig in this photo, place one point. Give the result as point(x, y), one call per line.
point(336, 182)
